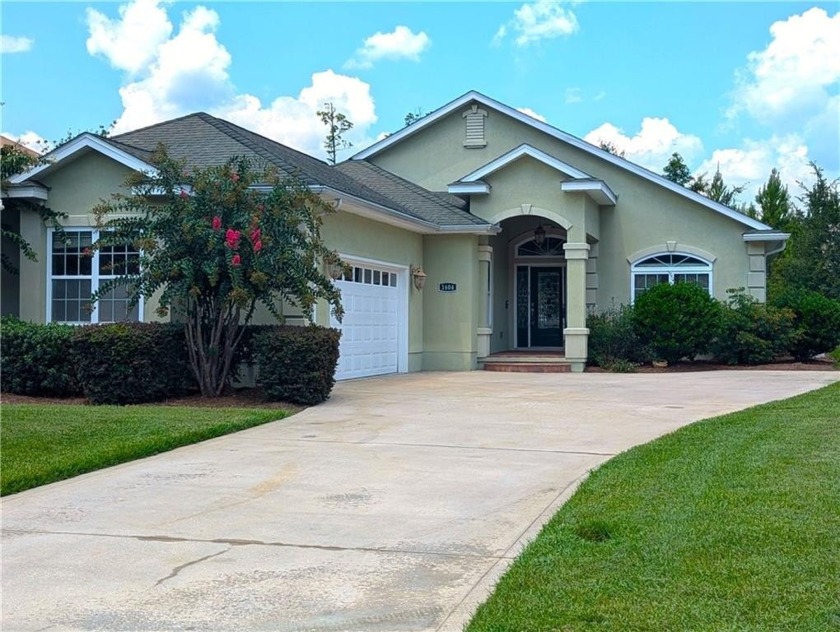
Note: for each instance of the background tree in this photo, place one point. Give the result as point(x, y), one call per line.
point(337, 124)
point(611, 147)
point(721, 192)
point(774, 204)
point(811, 259)
point(214, 247)
point(677, 171)
point(413, 117)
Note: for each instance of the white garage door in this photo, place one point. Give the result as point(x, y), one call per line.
point(372, 331)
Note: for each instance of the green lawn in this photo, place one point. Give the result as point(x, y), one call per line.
point(42, 443)
point(729, 524)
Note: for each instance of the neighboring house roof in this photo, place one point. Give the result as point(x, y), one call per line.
point(8, 142)
point(203, 140)
point(474, 96)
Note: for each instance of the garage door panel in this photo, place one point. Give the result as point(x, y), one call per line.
point(371, 325)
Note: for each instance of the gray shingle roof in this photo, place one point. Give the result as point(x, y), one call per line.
point(202, 140)
point(442, 209)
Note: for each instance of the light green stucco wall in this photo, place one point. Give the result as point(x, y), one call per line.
point(351, 235)
point(450, 319)
point(647, 215)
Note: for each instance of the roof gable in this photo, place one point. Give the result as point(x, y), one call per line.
point(517, 153)
point(476, 97)
point(78, 147)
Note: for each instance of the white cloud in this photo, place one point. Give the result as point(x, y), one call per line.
point(792, 83)
point(543, 19)
point(15, 44)
point(653, 145)
point(750, 165)
point(401, 43)
point(532, 114)
point(293, 120)
point(189, 71)
point(131, 41)
point(573, 95)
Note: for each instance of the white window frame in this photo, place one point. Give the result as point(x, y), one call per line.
point(94, 277)
point(670, 270)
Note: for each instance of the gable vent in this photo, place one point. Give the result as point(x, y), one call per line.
point(475, 127)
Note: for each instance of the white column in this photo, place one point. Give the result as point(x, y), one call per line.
point(485, 300)
point(576, 335)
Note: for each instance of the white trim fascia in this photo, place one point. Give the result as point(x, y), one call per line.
point(80, 143)
point(37, 191)
point(598, 190)
point(563, 136)
point(468, 188)
point(774, 236)
point(471, 229)
point(517, 153)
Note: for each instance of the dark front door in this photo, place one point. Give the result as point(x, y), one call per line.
point(541, 306)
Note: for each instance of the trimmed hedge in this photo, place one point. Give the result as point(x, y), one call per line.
point(613, 343)
point(131, 363)
point(296, 364)
point(817, 322)
point(35, 359)
point(752, 333)
point(677, 321)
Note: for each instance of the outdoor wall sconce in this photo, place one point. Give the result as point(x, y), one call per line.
point(419, 277)
point(539, 235)
point(334, 271)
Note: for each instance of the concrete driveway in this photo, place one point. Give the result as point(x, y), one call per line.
point(394, 506)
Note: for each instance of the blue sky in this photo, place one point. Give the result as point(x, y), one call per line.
point(748, 86)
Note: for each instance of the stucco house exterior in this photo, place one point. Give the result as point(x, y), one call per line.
point(515, 230)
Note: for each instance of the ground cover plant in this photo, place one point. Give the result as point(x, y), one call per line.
point(728, 524)
point(43, 443)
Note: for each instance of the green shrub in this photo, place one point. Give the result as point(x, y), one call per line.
point(835, 355)
point(131, 363)
point(816, 319)
point(35, 359)
point(612, 337)
point(296, 364)
point(752, 333)
point(676, 321)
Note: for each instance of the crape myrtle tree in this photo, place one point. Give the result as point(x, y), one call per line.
point(213, 244)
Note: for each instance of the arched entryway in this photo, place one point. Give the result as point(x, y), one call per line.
point(539, 288)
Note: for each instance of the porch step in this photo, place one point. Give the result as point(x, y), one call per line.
point(531, 363)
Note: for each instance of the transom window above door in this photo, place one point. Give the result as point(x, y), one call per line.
point(550, 247)
point(669, 268)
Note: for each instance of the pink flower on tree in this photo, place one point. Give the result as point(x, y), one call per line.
point(236, 260)
point(217, 223)
point(255, 235)
point(232, 238)
point(234, 177)
point(257, 245)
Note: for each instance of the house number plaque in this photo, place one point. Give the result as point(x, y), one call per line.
point(448, 287)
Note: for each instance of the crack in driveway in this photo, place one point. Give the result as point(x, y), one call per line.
point(181, 567)
point(232, 542)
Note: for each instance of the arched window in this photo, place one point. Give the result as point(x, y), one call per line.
point(670, 268)
point(550, 247)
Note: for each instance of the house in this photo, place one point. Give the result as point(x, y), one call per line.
point(476, 230)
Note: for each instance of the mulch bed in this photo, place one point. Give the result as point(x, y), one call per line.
point(254, 398)
point(818, 364)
